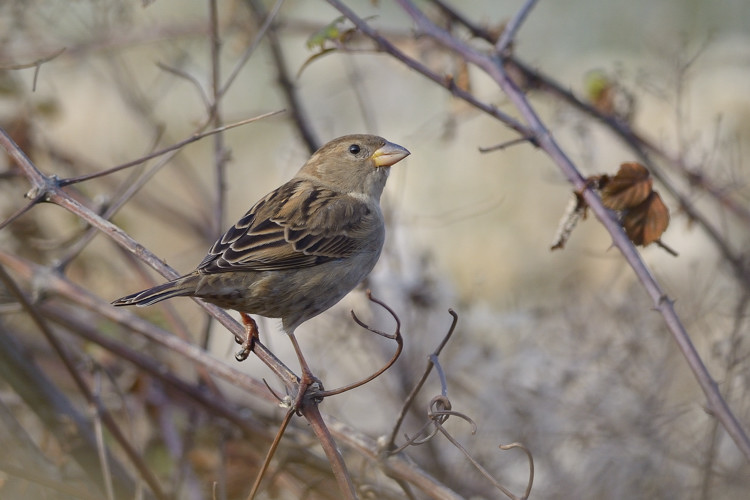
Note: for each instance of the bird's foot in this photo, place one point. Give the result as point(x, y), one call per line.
point(251, 335)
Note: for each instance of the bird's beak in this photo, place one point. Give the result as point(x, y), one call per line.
point(389, 154)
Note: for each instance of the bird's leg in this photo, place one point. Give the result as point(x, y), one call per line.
point(307, 379)
point(251, 335)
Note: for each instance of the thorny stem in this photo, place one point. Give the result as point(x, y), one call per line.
point(493, 65)
point(643, 147)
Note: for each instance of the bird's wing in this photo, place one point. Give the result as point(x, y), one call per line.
point(300, 224)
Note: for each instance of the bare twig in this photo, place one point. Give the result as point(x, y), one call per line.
point(438, 417)
point(512, 446)
point(398, 467)
point(20, 211)
point(251, 48)
point(221, 155)
point(190, 78)
point(506, 144)
point(185, 142)
point(33, 64)
point(508, 35)
point(37, 65)
point(396, 335)
point(269, 455)
point(390, 442)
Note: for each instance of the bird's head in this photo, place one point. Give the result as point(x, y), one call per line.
point(357, 164)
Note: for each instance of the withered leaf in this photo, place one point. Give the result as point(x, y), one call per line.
point(645, 223)
point(575, 212)
point(629, 188)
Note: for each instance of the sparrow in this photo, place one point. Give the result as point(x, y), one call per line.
point(302, 247)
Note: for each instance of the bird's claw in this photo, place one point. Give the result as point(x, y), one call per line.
point(251, 335)
point(244, 352)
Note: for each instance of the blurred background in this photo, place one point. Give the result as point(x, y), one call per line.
point(560, 350)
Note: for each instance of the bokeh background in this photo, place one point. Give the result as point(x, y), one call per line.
point(560, 350)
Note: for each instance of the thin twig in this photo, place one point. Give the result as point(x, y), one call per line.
point(508, 35)
point(185, 142)
point(395, 336)
point(131, 186)
point(21, 211)
point(33, 64)
point(190, 78)
point(512, 446)
point(474, 462)
point(251, 48)
point(100, 445)
point(506, 144)
point(391, 440)
point(269, 455)
point(398, 467)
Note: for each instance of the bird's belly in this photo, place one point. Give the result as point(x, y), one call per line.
point(293, 295)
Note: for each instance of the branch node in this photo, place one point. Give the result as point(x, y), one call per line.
point(40, 191)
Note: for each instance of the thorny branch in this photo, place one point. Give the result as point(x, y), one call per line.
point(645, 149)
point(493, 65)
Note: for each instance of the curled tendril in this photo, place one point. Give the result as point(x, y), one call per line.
point(396, 335)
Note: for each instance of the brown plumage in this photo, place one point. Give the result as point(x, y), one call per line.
point(303, 246)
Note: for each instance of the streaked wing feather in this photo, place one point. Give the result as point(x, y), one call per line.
point(274, 234)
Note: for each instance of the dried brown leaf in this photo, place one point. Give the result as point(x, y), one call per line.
point(629, 188)
point(645, 223)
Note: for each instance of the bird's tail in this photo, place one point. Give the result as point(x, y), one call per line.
point(176, 288)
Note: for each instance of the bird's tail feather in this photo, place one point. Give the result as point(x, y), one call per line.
point(156, 294)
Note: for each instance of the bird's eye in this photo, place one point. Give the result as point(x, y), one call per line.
point(354, 149)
